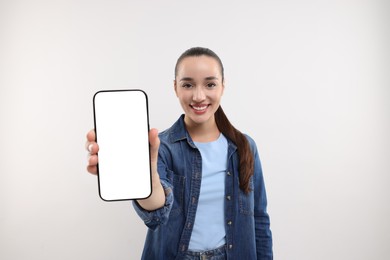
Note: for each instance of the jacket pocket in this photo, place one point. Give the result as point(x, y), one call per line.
point(178, 183)
point(246, 201)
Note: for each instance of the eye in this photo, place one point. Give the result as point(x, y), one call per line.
point(211, 85)
point(187, 85)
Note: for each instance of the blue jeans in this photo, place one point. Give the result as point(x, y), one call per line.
point(215, 254)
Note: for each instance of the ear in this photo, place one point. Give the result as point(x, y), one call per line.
point(223, 86)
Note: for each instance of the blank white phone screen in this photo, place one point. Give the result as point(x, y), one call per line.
point(122, 133)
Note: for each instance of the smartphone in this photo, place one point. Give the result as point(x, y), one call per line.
point(121, 119)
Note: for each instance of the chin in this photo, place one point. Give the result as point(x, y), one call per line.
point(199, 119)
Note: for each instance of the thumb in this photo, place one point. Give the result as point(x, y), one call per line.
point(154, 142)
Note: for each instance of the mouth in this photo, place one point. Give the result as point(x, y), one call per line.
point(199, 109)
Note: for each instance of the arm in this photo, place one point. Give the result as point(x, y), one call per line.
point(262, 221)
point(155, 209)
point(157, 199)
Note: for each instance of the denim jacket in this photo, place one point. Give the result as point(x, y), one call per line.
point(247, 224)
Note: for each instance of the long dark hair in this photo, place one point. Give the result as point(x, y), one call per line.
point(244, 152)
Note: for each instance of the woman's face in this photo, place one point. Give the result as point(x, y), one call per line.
point(199, 87)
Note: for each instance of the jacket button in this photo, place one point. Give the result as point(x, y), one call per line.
point(228, 197)
point(228, 173)
point(230, 246)
point(229, 222)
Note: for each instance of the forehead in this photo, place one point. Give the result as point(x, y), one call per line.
point(199, 66)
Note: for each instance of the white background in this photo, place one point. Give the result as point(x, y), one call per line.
point(308, 80)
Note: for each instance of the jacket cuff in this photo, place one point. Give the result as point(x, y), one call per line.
point(153, 219)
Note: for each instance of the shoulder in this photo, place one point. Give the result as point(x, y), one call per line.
point(175, 133)
point(252, 143)
point(165, 145)
point(164, 135)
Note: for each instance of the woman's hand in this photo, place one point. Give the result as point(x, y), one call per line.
point(92, 147)
point(157, 198)
point(154, 142)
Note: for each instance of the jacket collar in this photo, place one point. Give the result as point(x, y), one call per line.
point(179, 132)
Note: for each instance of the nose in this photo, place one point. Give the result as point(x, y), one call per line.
point(198, 95)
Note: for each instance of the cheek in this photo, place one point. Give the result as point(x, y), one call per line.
point(183, 99)
point(184, 96)
point(217, 96)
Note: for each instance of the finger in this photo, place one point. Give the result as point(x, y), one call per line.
point(154, 145)
point(93, 160)
point(91, 136)
point(92, 169)
point(92, 147)
point(88, 146)
point(154, 141)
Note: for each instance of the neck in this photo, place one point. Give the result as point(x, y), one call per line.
point(204, 132)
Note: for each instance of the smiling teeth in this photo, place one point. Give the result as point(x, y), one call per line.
point(200, 108)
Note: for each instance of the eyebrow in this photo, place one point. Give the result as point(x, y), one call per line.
point(191, 79)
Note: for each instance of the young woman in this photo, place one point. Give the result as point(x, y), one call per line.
point(209, 199)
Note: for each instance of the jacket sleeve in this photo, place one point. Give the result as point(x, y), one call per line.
point(153, 219)
point(262, 221)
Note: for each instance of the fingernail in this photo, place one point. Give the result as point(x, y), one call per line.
point(90, 148)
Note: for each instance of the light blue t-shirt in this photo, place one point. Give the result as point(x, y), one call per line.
point(209, 227)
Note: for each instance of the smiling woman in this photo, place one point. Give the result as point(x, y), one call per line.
point(199, 86)
point(208, 196)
